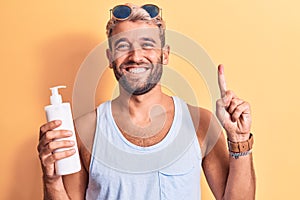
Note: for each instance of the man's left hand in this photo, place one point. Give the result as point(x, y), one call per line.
point(233, 112)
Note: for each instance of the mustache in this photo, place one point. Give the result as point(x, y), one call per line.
point(130, 63)
point(134, 63)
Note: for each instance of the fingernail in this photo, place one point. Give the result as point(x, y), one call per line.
point(72, 142)
point(220, 69)
point(69, 133)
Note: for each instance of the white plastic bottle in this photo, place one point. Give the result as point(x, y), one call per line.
point(62, 111)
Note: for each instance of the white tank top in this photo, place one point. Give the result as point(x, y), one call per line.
point(121, 170)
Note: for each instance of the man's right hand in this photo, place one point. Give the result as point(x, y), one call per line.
point(48, 143)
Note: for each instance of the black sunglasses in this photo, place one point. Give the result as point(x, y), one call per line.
point(122, 12)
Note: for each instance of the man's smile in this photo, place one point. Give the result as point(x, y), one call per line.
point(135, 68)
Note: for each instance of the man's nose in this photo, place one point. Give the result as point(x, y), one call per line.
point(136, 54)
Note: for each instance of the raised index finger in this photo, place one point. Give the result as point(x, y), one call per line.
point(221, 80)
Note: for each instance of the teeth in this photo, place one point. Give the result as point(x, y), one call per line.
point(136, 70)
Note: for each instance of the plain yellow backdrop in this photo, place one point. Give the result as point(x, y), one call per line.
point(43, 43)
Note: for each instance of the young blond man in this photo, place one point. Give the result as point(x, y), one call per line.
point(144, 121)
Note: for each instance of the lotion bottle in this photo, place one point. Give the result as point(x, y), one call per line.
point(58, 110)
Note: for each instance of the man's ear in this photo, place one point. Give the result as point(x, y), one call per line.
point(109, 57)
point(165, 54)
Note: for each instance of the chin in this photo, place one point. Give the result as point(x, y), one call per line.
point(140, 91)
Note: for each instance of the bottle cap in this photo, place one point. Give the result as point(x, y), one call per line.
point(55, 98)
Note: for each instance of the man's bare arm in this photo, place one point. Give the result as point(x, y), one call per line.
point(235, 116)
point(55, 186)
point(229, 178)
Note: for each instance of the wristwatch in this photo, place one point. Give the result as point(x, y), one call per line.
point(241, 147)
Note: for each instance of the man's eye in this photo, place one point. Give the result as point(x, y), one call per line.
point(148, 45)
point(123, 47)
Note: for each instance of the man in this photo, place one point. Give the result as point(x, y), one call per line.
point(143, 120)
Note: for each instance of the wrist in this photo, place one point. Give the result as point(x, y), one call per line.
point(241, 147)
point(237, 155)
point(54, 189)
point(55, 183)
point(238, 137)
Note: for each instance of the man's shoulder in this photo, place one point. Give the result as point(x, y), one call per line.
point(85, 118)
point(197, 112)
point(204, 121)
point(90, 116)
point(85, 126)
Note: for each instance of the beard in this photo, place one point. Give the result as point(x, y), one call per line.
point(138, 85)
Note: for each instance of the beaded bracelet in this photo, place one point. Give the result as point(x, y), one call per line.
point(237, 155)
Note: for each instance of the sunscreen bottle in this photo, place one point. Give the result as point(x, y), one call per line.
point(62, 111)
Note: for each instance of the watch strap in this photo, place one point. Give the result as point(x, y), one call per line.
point(240, 147)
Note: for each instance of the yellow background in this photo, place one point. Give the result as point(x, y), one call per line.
point(43, 43)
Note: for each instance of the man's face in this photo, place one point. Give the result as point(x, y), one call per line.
point(136, 56)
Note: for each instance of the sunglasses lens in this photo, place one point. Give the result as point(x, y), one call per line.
point(153, 10)
point(121, 12)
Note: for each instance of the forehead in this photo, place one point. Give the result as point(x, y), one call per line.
point(135, 30)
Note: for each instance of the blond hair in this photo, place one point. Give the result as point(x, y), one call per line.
point(138, 14)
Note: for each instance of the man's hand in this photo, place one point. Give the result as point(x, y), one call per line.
point(232, 112)
point(48, 144)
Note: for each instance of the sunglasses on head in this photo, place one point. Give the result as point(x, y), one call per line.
point(122, 12)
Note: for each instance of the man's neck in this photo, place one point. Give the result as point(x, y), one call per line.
point(140, 107)
point(144, 119)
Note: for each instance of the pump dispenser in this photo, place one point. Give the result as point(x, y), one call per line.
point(55, 98)
point(62, 111)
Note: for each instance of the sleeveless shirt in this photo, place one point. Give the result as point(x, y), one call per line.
point(121, 170)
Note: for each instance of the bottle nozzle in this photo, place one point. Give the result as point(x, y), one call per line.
point(55, 98)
